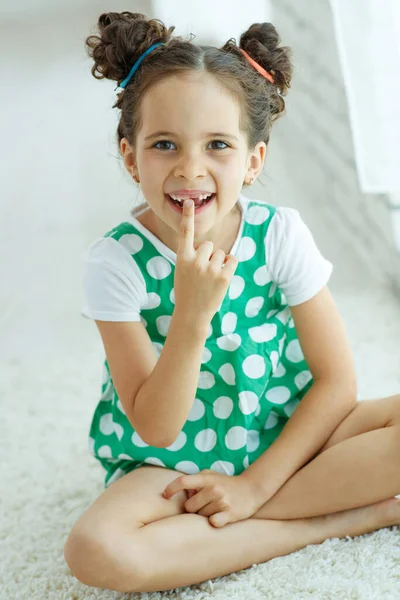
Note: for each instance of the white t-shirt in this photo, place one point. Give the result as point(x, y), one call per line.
point(115, 290)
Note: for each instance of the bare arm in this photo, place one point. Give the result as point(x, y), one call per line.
point(329, 400)
point(164, 401)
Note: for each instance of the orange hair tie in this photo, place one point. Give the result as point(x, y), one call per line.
point(258, 67)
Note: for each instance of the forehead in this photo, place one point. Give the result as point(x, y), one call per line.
point(188, 103)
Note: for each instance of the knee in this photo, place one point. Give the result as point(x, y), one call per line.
point(95, 561)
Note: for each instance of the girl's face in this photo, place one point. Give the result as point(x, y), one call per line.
point(201, 149)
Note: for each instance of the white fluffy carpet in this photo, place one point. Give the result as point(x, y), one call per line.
point(48, 478)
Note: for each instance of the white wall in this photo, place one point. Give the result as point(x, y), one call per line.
point(317, 128)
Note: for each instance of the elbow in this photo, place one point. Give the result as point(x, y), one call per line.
point(153, 439)
point(348, 393)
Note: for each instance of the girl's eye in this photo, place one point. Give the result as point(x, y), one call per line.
point(167, 142)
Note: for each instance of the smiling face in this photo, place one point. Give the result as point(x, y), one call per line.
point(204, 150)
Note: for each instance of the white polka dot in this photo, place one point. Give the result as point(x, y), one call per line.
point(254, 366)
point(123, 456)
point(256, 215)
point(278, 395)
point(197, 411)
point(246, 462)
point(179, 442)
point(236, 438)
point(120, 407)
point(253, 440)
point(294, 352)
point(108, 393)
point(210, 330)
point(284, 315)
point(158, 267)
point(223, 407)
point(153, 300)
point(119, 430)
point(302, 379)
point(272, 313)
point(282, 343)
point(157, 348)
point(263, 333)
point(206, 355)
point(274, 358)
point(187, 466)
point(137, 440)
point(272, 290)
point(229, 342)
point(258, 410)
point(143, 320)
point(246, 250)
point(228, 374)
point(106, 425)
point(162, 324)
point(253, 306)
point(153, 460)
point(104, 452)
point(172, 296)
point(236, 287)
point(291, 322)
point(206, 380)
point(291, 406)
point(223, 466)
point(248, 402)
point(261, 276)
point(271, 421)
point(228, 324)
point(280, 371)
point(131, 242)
point(91, 445)
point(205, 440)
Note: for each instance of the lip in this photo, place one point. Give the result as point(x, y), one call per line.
point(188, 193)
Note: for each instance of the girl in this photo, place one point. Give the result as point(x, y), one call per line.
point(228, 424)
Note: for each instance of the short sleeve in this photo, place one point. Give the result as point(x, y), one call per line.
point(293, 258)
point(113, 286)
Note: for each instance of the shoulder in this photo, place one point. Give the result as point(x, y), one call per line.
point(293, 259)
point(108, 259)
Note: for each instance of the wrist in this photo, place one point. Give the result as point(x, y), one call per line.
point(260, 491)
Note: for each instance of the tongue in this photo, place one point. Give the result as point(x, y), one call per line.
point(197, 201)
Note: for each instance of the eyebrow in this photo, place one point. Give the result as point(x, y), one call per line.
point(170, 133)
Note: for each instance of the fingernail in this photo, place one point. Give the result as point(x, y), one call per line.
point(187, 203)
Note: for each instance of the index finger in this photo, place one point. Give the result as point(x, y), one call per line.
point(185, 244)
point(185, 482)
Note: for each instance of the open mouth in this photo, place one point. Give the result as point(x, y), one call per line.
point(178, 204)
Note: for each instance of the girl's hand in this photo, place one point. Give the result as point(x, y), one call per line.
point(200, 282)
point(223, 498)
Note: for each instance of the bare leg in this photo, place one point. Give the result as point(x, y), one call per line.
point(185, 549)
point(359, 471)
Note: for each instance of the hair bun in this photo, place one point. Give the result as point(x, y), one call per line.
point(261, 42)
point(123, 38)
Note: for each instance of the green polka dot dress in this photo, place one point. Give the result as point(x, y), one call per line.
point(252, 373)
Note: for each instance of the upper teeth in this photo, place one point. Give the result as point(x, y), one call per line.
point(182, 198)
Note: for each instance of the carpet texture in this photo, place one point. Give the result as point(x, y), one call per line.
point(48, 478)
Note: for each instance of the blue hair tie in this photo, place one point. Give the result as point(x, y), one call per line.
point(124, 83)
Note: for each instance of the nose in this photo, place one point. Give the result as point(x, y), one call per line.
point(190, 165)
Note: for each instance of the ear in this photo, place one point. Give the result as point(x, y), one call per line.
point(129, 157)
point(255, 160)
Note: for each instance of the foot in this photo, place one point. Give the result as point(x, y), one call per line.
point(357, 521)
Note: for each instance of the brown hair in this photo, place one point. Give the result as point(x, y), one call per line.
point(125, 36)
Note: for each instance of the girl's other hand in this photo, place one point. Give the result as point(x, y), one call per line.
point(223, 498)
